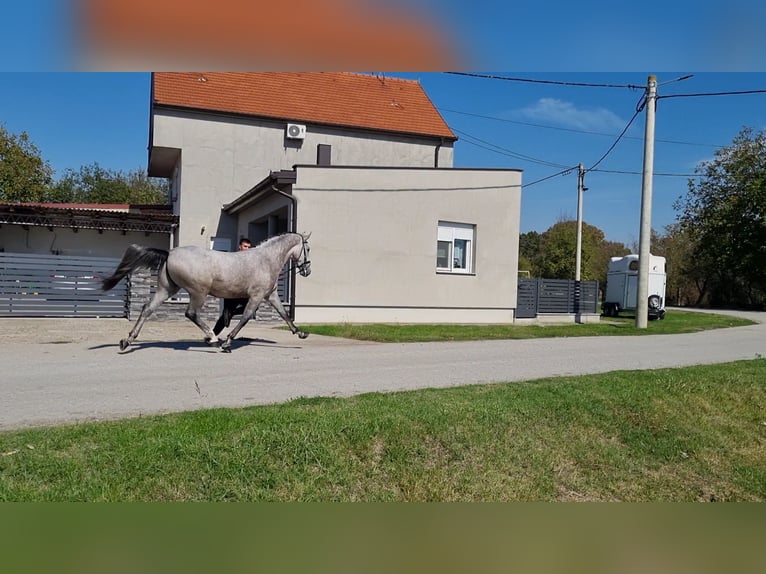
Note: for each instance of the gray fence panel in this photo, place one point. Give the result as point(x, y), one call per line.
point(35, 285)
point(588, 297)
point(555, 296)
point(561, 296)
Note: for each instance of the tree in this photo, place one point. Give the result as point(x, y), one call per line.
point(686, 281)
point(529, 250)
point(552, 253)
point(24, 175)
point(724, 217)
point(95, 184)
point(557, 252)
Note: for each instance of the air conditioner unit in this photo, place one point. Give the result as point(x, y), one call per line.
point(296, 131)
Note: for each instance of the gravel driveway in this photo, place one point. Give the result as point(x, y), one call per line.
point(57, 371)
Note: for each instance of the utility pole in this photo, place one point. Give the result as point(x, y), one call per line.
point(578, 255)
point(644, 239)
point(580, 189)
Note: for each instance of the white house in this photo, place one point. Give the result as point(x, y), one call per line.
point(365, 163)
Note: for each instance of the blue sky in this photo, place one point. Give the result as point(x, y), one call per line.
point(77, 119)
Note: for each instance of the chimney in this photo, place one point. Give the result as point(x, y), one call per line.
point(324, 155)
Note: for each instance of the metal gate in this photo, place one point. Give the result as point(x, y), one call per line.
point(526, 301)
point(34, 285)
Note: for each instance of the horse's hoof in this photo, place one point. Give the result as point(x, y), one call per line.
point(226, 349)
point(302, 334)
point(124, 344)
point(213, 342)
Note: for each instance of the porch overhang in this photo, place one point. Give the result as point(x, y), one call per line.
point(121, 217)
point(162, 161)
point(283, 180)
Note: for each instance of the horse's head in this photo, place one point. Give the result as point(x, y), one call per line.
point(302, 256)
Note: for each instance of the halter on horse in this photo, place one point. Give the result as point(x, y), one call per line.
point(250, 274)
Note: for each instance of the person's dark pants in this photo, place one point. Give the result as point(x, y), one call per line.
point(231, 307)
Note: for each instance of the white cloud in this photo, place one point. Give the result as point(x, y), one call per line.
point(566, 114)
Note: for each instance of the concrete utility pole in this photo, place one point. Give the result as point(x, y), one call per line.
point(644, 240)
point(580, 189)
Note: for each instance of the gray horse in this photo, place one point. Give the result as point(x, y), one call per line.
point(251, 274)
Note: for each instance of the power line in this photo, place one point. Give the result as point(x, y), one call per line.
point(712, 94)
point(627, 172)
point(562, 172)
point(554, 82)
point(500, 150)
point(495, 118)
point(506, 151)
point(639, 107)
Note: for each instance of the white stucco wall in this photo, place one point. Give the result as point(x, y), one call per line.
point(64, 241)
point(223, 157)
point(373, 244)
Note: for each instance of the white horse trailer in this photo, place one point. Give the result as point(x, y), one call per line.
point(622, 286)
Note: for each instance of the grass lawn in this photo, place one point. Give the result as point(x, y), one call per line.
point(674, 322)
point(692, 434)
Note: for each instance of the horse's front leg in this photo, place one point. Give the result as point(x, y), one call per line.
point(279, 308)
point(247, 314)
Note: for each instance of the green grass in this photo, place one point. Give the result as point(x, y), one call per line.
point(693, 434)
point(675, 322)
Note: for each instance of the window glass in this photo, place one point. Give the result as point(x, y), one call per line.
point(443, 254)
point(460, 260)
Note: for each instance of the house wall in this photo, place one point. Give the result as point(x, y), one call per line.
point(373, 244)
point(64, 241)
point(223, 157)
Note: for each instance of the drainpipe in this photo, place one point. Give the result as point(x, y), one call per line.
point(436, 152)
point(171, 235)
point(292, 224)
point(293, 218)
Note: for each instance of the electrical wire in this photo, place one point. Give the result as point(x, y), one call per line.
point(639, 107)
point(505, 151)
point(626, 172)
point(495, 118)
point(711, 94)
point(562, 172)
point(603, 157)
point(554, 82)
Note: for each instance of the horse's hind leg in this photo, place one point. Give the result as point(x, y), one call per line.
point(279, 308)
point(247, 314)
point(196, 301)
point(165, 289)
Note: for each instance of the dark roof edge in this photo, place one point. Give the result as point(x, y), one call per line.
point(402, 167)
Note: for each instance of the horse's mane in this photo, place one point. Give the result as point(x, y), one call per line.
point(275, 238)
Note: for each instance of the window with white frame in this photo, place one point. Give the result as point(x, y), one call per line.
point(455, 245)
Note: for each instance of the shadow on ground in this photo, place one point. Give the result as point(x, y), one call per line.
point(194, 345)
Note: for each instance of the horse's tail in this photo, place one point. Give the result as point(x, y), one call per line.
point(135, 257)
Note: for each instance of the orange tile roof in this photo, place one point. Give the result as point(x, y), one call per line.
point(334, 98)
